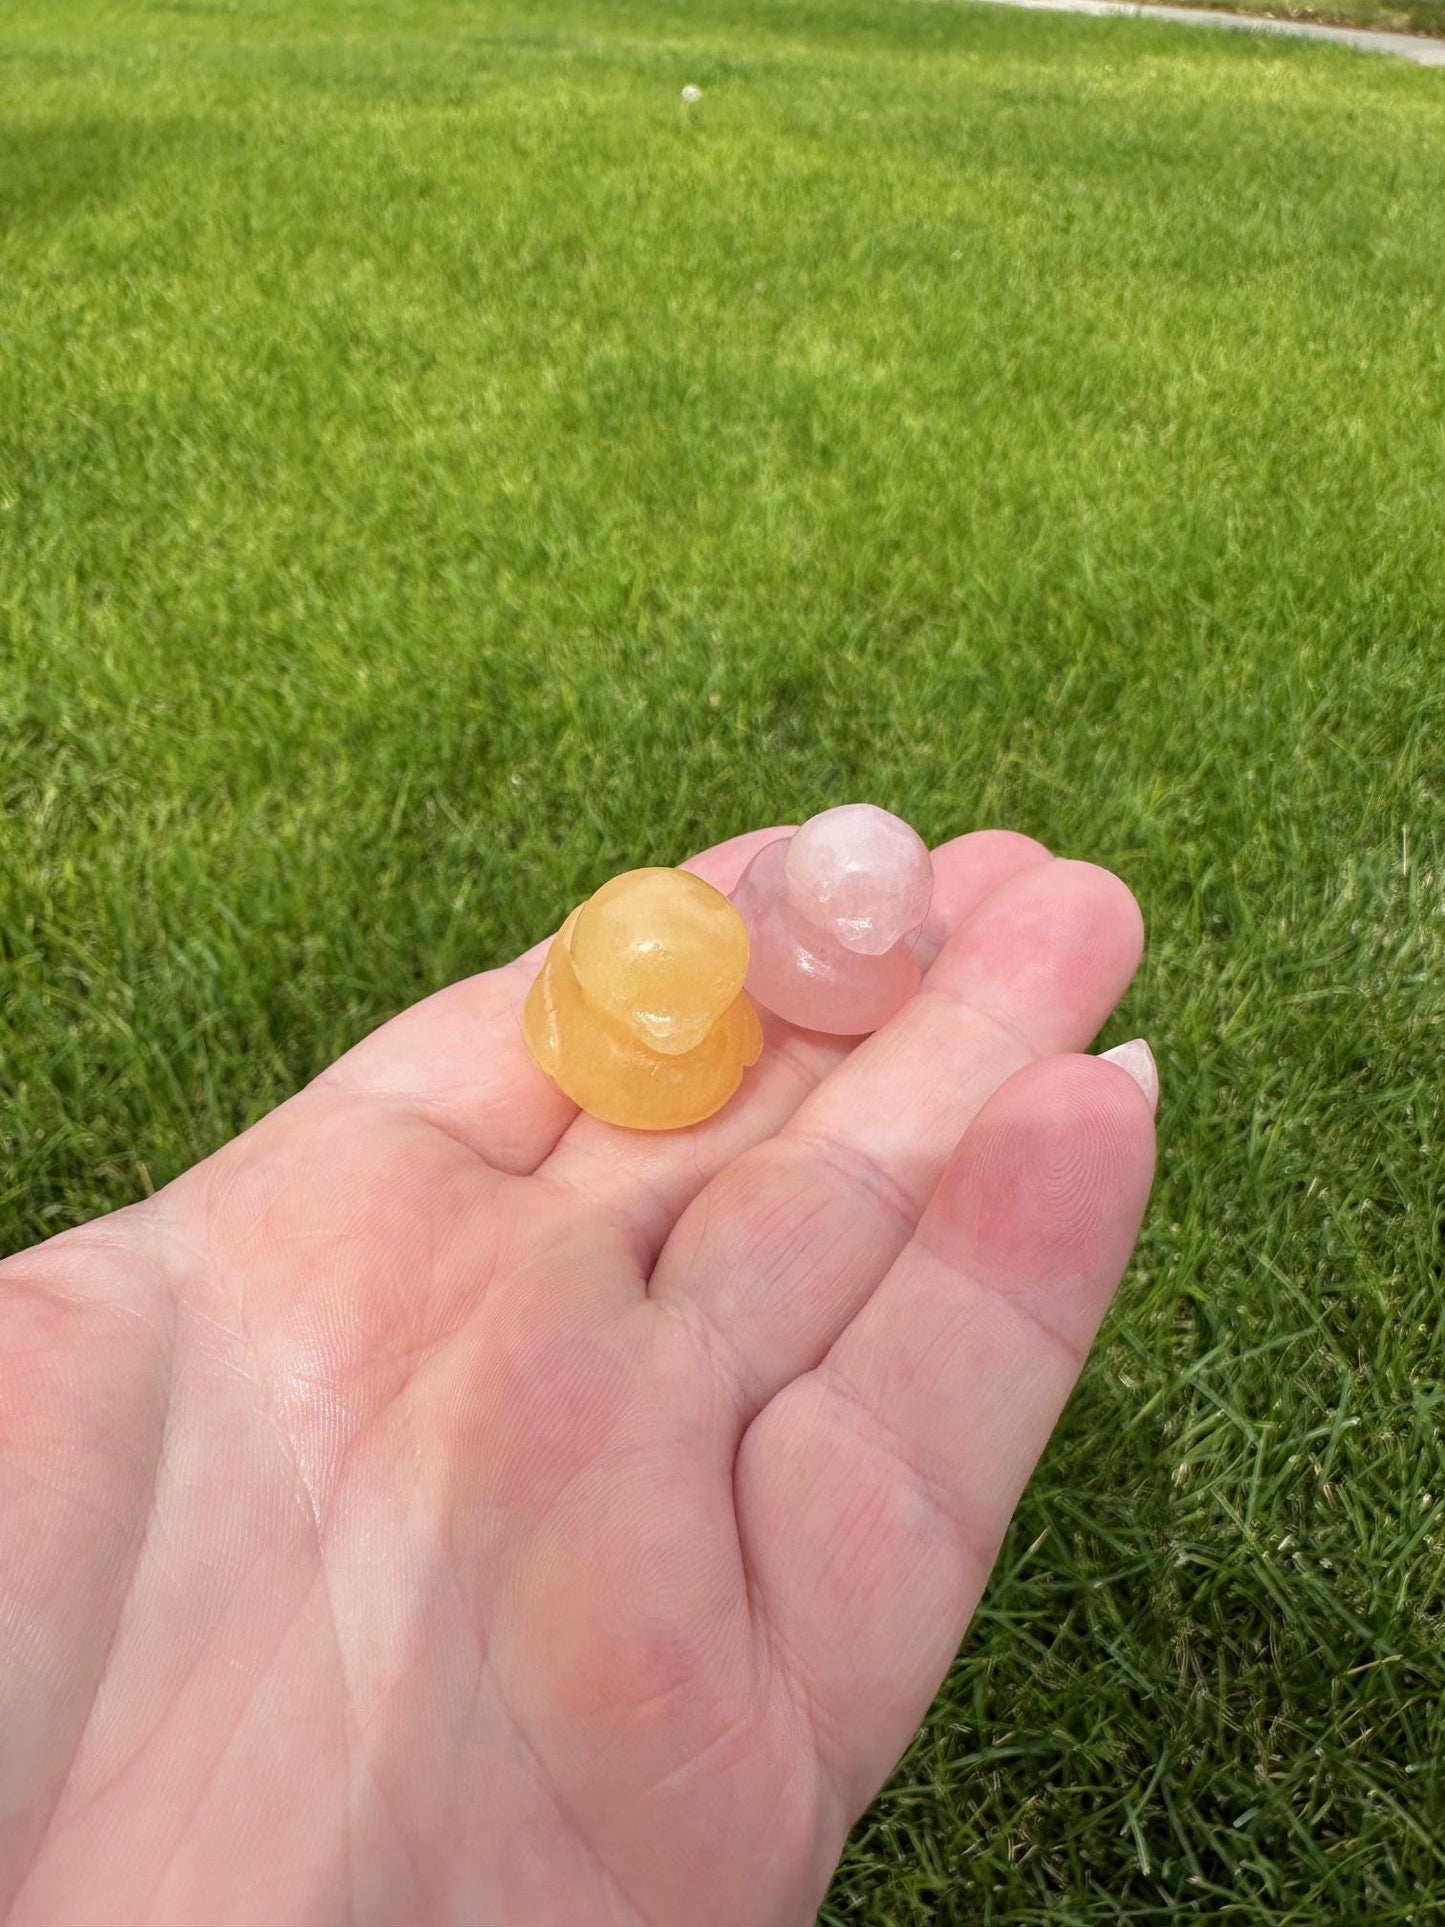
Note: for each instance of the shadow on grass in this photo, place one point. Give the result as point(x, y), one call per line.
point(51, 169)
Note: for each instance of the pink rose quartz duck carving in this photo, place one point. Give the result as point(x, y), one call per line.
point(833, 913)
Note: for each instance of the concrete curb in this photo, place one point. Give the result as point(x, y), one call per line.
point(1423, 52)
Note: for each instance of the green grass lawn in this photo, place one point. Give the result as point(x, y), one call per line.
point(437, 470)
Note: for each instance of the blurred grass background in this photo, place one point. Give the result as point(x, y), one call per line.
point(438, 469)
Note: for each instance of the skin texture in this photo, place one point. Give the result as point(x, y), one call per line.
point(440, 1506)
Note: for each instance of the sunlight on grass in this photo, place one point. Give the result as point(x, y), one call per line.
point(439, 468)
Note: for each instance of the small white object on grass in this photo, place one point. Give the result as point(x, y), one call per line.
point(691, 94)
point(1137, 1059)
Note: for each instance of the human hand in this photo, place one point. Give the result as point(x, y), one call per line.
point(441, 1507)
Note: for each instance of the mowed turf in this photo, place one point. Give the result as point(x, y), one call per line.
point(437, 469)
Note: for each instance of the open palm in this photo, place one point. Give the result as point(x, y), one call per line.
point(440, 1507)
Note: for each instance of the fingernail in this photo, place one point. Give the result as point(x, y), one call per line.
point(1137, 1059)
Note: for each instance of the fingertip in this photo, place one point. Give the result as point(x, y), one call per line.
point(1009, 849)
point(966, 870)
point(1075, 1114)
point(1047, 1189)
point(1057, 1102)
point(1058, 937)
point(1112, 906)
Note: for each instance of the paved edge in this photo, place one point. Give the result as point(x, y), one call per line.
point(1422, 51)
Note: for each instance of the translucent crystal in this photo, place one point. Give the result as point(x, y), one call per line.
point(639, 1012)
point(862, 875)
point(832, 913)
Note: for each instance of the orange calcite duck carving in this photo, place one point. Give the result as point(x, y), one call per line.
point(639, 1012)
